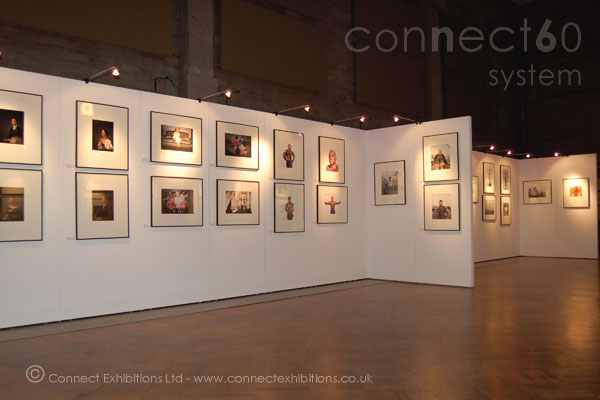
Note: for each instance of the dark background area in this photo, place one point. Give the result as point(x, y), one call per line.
point(284, 53)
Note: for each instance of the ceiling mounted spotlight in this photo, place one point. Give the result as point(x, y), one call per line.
point(305, 107)
point(114, 71)
point(360, 118)
point(527, 155)
point(509, 152)
point(490, 147)
point(397, 119)
point(227, 93)
point(556, 154)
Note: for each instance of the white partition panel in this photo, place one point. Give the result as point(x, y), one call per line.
point(63, 278)
point(399, 246)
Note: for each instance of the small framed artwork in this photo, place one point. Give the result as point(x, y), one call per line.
point(576, 193)
point(289, 207)
point(237, 145)
point(332, 160)
point(20, 128)
point(176, 201)
point(102, 205)
point(537, 192)
point(442, 207)
point(20, 205)
point(475, 182)
point(505, 210)
point(332, 204)
point(238, 202)
point(390, 183)
point(102, 138)
point(489, 177)
point(288, 155)
point(440, 157)
point(488, 209)
point(504, 179)
point(175, 139)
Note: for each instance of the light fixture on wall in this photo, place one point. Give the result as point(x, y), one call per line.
point(490, 147)
point(305, 107)
point(114, 71)
point(360, 118)
point(527, 155)
point(398, 118)
point(556, 154)
point(227, 93)
point(509, 153)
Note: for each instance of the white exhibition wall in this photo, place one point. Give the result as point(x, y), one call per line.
point(491, 240)
point(399, 248)
point(549, 230)
point(62, 278)
point(543, 230)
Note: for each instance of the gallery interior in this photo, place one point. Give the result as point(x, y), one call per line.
point(268, 199)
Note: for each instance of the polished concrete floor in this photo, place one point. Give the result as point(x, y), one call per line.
point(529, 330)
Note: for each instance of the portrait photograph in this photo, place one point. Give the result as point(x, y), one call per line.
point(332, 160)
point(176, 201)
point(175, 139)
point(505, 210)
point(20, 205)
point(102, 137)
point(442, 207)
point(440, 157)
point(20, 128)
point(504, 179)
point(489, 177)
point(475, 182)
point(332, 204)
point(289, 207)
point(576, 193)
point(11, 126)
point(102, 206)
point(237, 145)
point(288, 155)
point(238, 202)
point(488, 207)
point(537, 192)
point(390, 183)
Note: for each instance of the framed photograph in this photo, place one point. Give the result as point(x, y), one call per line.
point(288, 155)
point(440, 157)
point(475, 190)
point(102, 138)
point(505, 210)
point(176, 201)
point(102, 205)
point(332, 160)
point(576, 193)
point(20, 128)
point(332, 204)
point(20, 205)
point(237, 145)
point(488, 207)
point(504, 179)
point(489, 177)
point(390, 183)
point(442, 207)
point(175, 139)
point(238, 202)
point(537, 192)
point(289, 207)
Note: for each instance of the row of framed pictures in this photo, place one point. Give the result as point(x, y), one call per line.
point(488, 209)
point(576, 192)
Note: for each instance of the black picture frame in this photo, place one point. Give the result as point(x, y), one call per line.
point(375, 182)
point(41, 155)
point(425, 208)
point(217, 146)
point(347, 206)
point(483, 196)
point(504, 167)
point(500, 211)
point(77, 208)
point(537, 180)
point(77, 157)
point(343, 181)
point(41, 205)
point(457, 178)
point(588, 194)
point(219, 223)
point(152, 159)
point(152, 202)
point(493, 176)
point(275, 156)
point(275, 206)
